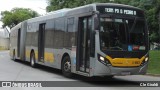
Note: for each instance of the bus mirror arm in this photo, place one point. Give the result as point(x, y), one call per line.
point(96, 23)
point(95, 12)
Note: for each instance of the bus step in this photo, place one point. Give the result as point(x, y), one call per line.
point(82, 69)
point(82, 73)
point(87, 70)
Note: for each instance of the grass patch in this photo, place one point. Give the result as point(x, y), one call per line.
point(3, 48)
point(154, 62)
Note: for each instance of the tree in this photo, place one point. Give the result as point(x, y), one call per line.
point(16, 15)
point(59, 4)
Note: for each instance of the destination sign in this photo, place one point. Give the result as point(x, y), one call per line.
point(120, 11)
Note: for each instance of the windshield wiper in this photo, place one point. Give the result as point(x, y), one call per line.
point(116, 48)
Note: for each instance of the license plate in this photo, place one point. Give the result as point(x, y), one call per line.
point(125, 73)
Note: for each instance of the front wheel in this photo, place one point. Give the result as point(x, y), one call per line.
point(32, 60)
point(66, 66)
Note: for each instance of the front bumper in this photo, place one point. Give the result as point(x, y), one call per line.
point(141, 70)
point(103, 70)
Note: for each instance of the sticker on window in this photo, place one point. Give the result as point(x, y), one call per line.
point(129, 47)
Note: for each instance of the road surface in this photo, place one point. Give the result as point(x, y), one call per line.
point(20, 71)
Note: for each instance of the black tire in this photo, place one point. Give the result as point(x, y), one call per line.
point(109, 76)
point(32, 60)
point(66, 67)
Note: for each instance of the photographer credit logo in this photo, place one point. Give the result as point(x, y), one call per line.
point(6, 84)
point(20, 84)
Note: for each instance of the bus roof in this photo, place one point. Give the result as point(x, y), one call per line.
point(77, 10)
point(16, 27)
point(117, 5)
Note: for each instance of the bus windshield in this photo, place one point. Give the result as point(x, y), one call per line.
point(122, 34)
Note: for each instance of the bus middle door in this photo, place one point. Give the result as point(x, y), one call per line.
point(41, 38)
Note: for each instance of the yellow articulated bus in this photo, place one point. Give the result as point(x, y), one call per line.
point(102, 39)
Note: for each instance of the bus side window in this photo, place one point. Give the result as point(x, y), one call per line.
point(70, 31)
point(59, 33)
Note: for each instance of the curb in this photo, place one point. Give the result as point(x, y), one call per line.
point(155, 75)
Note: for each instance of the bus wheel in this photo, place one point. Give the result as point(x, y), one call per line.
point(32, 60)
point(66, 66)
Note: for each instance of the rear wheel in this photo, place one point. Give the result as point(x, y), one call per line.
point(32, 60)
point(66, 66)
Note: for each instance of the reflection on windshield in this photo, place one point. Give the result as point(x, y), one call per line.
point(137, 34)
point(119, 34)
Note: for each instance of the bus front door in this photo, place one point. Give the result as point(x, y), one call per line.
point(83, 44)
point(41, 42)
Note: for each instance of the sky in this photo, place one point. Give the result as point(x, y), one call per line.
point(37, 5)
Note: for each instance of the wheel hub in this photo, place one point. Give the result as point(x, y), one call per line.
point(67, 66)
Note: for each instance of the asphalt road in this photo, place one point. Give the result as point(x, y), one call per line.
point(20, 71)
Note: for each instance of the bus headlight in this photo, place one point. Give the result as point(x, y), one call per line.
point(103, 60)
point(146, 59)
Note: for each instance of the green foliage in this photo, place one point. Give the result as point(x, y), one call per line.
point(154, 62)
point(154, 37)
point(151, 8)
point(16, 15)
point(59, 4)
